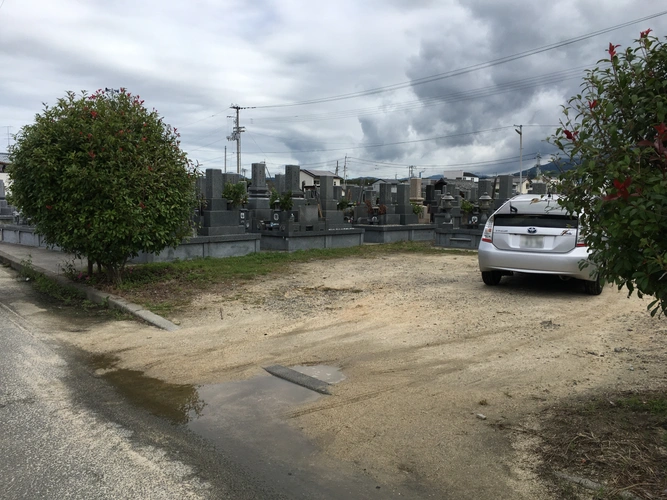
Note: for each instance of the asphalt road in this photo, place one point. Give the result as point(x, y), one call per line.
point(65, 434)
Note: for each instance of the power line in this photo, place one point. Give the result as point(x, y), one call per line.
point(498, 161)
point(489, 91)
point(469, 69)
point(365, 146)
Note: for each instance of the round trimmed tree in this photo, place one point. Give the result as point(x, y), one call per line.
point(614, 134)
point(100, 176)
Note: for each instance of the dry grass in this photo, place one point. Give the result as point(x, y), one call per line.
point(618, 441)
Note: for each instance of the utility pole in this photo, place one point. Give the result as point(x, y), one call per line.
point(236, 135)
point(225, 159)
point(336, 174)
point(345, 172)
point(520, 132)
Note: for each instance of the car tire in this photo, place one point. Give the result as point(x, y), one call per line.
point(491, 278)
point(593, 287)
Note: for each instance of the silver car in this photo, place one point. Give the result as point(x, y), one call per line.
point(534, 234)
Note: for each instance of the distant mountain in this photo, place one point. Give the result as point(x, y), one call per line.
point(554, 168)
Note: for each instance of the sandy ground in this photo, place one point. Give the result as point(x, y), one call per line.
point(425, 347)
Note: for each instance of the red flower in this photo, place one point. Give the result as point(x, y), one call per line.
point(612, 49)
point(90, 136)
point(49, 207)
point(141, 204)
point(93, 114)
point(592, 104)
point(570, 135)
point(143, 139)
point(121, 131)
point(662, 131)
point(120, 149)
point(622, 190)
point(644, 34)
point(91, 154)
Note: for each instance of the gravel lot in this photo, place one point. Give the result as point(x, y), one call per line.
point(426, 349)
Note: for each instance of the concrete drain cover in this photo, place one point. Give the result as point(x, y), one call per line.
point(299, 378)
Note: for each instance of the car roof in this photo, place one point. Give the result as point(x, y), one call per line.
point(533, 204)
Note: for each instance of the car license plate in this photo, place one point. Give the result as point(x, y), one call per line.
point(532, 242)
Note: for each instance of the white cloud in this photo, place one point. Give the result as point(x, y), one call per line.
point(190, 60)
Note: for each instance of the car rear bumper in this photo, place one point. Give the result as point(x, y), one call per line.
point(565, 264)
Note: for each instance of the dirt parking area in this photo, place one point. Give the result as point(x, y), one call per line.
point(445, 377)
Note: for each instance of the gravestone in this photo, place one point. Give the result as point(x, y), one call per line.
point(387, 205)
point(430, 194)
point(279, 183)
point(403, 206)
point(505, 187)
point(213, 183)
point(215, 218)
point(292, 180)
point(416, 190)
point(259, 210)
point(353, 193)
point(328, 204)
point(485, 186)
point(230, 178)
point(6, 210)
point(385, 194)
point(258, 187)
point(539, 188)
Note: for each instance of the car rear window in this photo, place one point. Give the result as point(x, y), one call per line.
point(524, 220)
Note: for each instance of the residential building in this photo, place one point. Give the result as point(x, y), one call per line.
point(460, 175)
point(311, 178)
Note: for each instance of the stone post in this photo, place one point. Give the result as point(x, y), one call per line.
point(292, 180)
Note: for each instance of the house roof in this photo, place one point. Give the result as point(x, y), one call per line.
point(319, 173)
point(389, 181)
point(457, 174)
point(4, 158)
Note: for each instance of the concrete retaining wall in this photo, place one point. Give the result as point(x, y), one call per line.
point(289, 241)
point(233, 245)
point(21, 235)
point(458, 238)
point(391, 234)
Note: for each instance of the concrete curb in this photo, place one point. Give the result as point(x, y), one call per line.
point(95, 296)
point(298, 378)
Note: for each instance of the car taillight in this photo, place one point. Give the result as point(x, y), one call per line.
point(580, 237)
point(487, 234)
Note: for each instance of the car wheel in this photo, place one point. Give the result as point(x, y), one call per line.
point(491, 278)
point(593, 287)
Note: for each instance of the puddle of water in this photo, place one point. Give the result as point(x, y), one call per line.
point(178, 403)
point(245, 420)
point(208, 409)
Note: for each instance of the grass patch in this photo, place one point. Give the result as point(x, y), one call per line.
point(166, 287)
point(68, 296)
point(617, 440)
point(65, 294)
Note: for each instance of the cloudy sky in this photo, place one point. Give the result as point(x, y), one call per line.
point(375, 86)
